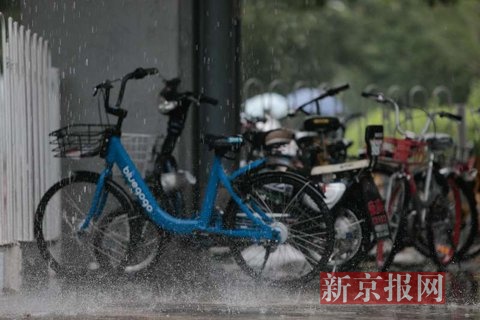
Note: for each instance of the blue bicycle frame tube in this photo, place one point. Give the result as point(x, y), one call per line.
point(99, 198)
point(243, 170)
point(117, 154)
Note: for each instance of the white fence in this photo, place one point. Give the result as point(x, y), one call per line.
point(29, 110)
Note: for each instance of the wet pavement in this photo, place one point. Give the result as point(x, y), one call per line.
point(195, 284)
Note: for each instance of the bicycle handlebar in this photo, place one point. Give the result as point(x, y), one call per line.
point(377, 96)
point(381, 98)
point(329, 92)
point(335, 90)
point(207, 99)
point(141, 73)
point(106, 85)
point(137, 74)
point(451, 116)
point(196, 98)
point(170, 94)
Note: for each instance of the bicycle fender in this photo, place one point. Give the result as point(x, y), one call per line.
point(375, 207)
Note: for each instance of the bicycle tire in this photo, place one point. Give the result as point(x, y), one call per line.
point(68, 252)
point(352, 236)
point(467, 190)
point(352, 232)
point(459, 235)
point(61, 210)
point(283, 192)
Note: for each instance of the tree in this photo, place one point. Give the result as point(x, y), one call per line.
point(402, 42)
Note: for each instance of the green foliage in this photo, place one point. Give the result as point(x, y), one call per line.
point(474, 97)
point(473, 116)
point(402, 42)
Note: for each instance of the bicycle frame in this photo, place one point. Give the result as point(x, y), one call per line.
point(116, 154)
point(419, 200)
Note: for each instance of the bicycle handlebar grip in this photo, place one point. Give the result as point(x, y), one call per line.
point(369, 95)
point(141, 73)
point(209, 100)
point(451, 116)
point(151, 71)
point(336, 90)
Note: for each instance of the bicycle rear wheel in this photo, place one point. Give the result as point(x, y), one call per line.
point(296, 208)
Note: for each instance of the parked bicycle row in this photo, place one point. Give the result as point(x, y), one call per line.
point(295, 207)
point(428, 191)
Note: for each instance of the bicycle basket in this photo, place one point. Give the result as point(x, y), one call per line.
point(139, 147)
point(403, 150)
point(78, 140)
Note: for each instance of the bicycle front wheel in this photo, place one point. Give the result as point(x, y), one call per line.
point(59, 215)
point(295, 207)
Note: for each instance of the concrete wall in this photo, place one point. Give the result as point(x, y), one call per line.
point(196, 40)
point(95, 40)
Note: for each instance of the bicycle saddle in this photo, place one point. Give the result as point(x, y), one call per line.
point(222, 144)
point(439, 141)
point(321, 124)
point(278, 137)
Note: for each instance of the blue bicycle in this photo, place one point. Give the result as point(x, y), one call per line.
point(276, 224)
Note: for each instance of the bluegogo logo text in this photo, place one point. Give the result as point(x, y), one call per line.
point(137, 190)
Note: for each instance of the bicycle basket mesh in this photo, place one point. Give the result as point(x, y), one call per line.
point(403, 150)
point(139, 147)
point(78, 140)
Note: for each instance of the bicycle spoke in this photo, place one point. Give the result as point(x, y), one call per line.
point(124, 219)
point(307, 234)
point(296, 196)
point(72, 201)
point(105, 253)
point(304, 221)
point(310, 243)
point(116, 240)
point(263, 201)
point(311, 260)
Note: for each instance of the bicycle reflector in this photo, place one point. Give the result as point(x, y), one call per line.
point(374, 139)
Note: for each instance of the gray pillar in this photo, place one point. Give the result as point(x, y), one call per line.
point(218, 72)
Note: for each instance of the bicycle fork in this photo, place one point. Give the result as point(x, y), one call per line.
point(99, 201)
